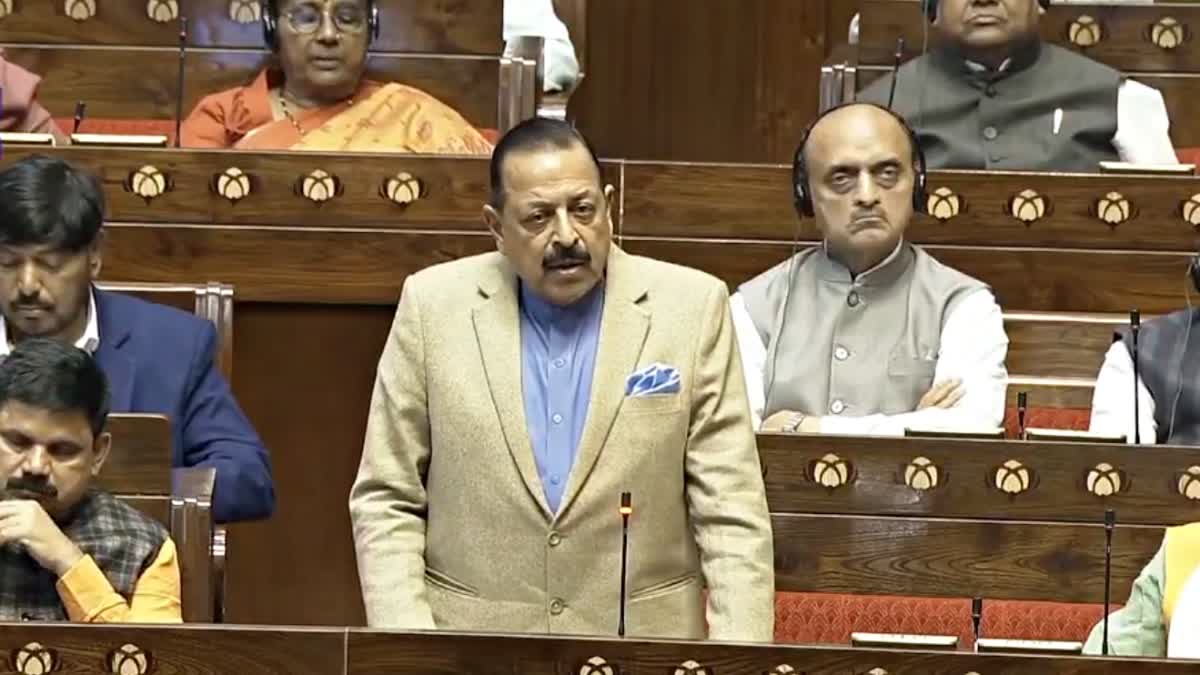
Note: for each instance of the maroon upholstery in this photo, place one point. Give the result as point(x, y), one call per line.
point(1075, 419)
point(1188, 155)
point(829, 618)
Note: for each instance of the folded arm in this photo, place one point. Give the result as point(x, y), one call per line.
point(88, 596)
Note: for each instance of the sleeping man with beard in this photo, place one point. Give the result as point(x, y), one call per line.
point(68, 550)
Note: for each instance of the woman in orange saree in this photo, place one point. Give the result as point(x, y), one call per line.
point(318, 98)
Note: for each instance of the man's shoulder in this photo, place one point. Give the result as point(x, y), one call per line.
point(681, 281)
point(1076, 62)
point(944, 273)
point(114, 513)
point(456, 277)
point(143, 314)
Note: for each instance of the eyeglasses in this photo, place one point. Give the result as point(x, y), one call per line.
point(307, 19)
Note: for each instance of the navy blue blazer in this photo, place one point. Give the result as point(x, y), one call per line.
point(162, 360)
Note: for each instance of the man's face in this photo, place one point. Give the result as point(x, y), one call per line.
point(323, 46)
point(987, 24)
point(47, 456)
point(861, 176)
point(554, 227)
point(44, 290)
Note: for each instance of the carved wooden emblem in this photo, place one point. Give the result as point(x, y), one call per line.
point(1190, 210)
point(245, 11)
point(402, 189)
point(1167, 33)
point(782, 669)
point(690, 667)
point(922, 474)
point(1028, 206)
point(1013, 477)
point(830, 471)
point(1105, 480)
point(129, 659)
point(6, 8)
point(943, 204)
point(1114, 209)
point(319, 186)
point(1085, 32)
point(1189, 483)
point(80, 10)
point(162, 11)
point(877, 671)
point(34, 659)
point(597, 666)
point(232, 184)
point(148, 183)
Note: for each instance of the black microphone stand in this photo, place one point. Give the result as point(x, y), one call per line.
point(183, 36)
point(1135, 327)
point(1110, 519)
point(626, 511)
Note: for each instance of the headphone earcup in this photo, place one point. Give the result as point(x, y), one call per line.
point(930, 8)
point(1194, 272)
point(269, 24)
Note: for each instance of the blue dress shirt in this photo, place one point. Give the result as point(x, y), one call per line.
point(558, 355)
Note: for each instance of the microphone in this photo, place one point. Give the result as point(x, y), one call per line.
point(1135, 326)
point(896, 71)
point(976, 618)
point(626, 511)
point(1110, 519)
point(1022, 407)
point(183, 36)
point(80, 111)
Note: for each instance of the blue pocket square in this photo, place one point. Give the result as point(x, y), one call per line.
point(656, 378)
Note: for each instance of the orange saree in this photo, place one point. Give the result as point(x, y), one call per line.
point(378, 118)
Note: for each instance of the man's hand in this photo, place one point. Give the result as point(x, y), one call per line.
point(28, 524)
point(943, 395)
point(782, 422)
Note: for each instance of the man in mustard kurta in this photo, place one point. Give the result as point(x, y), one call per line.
point(1140, 628)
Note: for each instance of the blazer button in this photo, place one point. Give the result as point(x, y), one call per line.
point(557, 606)
point(554, 539)
point(990, 133)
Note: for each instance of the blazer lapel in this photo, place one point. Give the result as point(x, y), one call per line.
point(498, 331)
point(116, 362)
point(623, 330)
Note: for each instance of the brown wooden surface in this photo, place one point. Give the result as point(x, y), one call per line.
point(1125, 28)
point(1059, 344)
point(140, 461)
point(444, 654)
point(142, 84)
point(703, 80)
point(447, 26)
point(959, 559)
point(1148, 479)
point(1048, 392)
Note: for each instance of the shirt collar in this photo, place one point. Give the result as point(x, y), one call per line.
point(544, 312)
point(879, 275)
point(88, 342)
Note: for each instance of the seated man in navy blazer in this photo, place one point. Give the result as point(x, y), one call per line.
point(157, 359)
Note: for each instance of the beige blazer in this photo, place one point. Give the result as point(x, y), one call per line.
point(451, 525)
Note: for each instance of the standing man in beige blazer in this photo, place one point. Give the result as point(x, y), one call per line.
point(521, 392)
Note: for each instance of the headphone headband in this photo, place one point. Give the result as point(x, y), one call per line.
point(930, 8)
point(270, 22)
point(801, 191)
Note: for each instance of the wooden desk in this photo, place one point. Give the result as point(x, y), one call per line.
point(246, 650)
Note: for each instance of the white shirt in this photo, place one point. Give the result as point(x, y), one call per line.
point(537, 18)
point(88, 342)
point(1112, 400)
point(1183, 640)
point(973, 348)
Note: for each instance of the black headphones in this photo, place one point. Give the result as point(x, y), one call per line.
point(800, 178)
point(1194, 272)
point(930, 8)
point(270, 22)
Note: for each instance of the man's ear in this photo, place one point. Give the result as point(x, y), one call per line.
point(492, 217)
point(610, 198)
point(103, 444)
point(96, 256)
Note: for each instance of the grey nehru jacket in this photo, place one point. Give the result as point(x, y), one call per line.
point(968, 118)
point(852, 347)
point(1170, 370)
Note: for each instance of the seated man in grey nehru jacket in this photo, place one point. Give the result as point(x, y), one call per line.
point(992, 95)
point(866, 333)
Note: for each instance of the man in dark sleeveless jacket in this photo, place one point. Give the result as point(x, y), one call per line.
point(68, 550)
point(991, 95)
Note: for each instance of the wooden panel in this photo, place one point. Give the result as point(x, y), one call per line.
point(156, 507)
point(964, 474)
point(948, 558)
point(1046, 392)
point(755, 202)
point(454, 189)
point(1125, 31)
point(193, 650)
point(305, 375)
point(140, 461)
point(142, 84)
point(1037, 279)
point(446, 654)
point(311, 266)
point(1059, 344)
point(701, 80)
point(449, 26)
